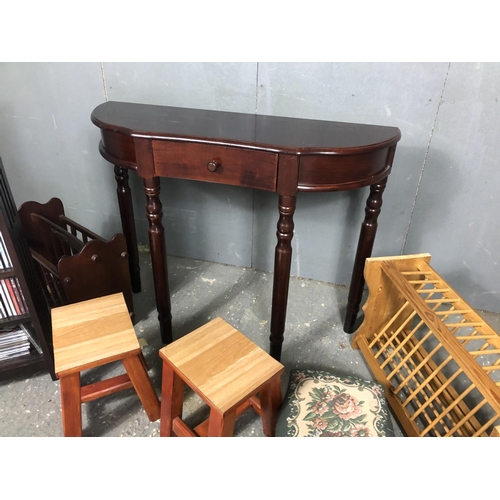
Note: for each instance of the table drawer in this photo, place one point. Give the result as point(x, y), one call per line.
point(221, 164)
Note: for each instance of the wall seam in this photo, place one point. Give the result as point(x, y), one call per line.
point(425, 159)
point(257, 89)
point(104, 83)
point(253, 191)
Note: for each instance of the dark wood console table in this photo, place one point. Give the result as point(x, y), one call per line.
point(283, 155)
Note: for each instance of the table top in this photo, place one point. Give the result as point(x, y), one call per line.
point(88, 333)
point(268, 133)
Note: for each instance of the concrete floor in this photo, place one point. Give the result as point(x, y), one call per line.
point(200, 291)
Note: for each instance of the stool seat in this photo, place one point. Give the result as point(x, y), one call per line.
point(227, 370)
point(93, 333)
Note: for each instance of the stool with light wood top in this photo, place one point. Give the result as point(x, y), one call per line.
point(90, 334)
point(228, 371)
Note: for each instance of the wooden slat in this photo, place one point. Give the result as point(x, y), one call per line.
point(474, 372)
point(441, 301)
point(432, 405)
point(449, 408)
point(386, 327)
point(465, 325)
point(105, 387)
point(59, 232)
point(466, 418)
point(475, 337)
point(395, 350)
point(496, 431)
point(411, 273)
point(484, 352)
point(449, 394)
point(453, 311)
point(420, 365)
point(435, 375)
point(436, 385)
point(434, 290)
point(401, 413)
point(413, 350)
point(491, 368)
point(414, 374)
point(86, 233)
point(409, 335)
point(181, 429)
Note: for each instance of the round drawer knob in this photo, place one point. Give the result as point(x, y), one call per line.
point(213, 166)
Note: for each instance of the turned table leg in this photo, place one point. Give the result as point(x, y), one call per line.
point(365, 247)
point(158, 257)
point(282, 264)
point(128, 225)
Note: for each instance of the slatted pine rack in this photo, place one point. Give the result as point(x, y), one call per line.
point(438, 360)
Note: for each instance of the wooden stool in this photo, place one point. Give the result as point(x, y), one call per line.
point(227, 371)
point(90, 334)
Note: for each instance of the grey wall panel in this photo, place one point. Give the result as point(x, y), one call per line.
point(456, 211)
point(327, 225)
point(203, 221)
point(326, 231)
point(219, 86)
point(48, 143)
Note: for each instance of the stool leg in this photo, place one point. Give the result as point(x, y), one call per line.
point(270, 402)
point(172, 398)
point(143, 361)
point(143, 386)
point(71, 404)
point(221, 425)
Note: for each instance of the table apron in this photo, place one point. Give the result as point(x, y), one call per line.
point(215, 163)
point(341, 172)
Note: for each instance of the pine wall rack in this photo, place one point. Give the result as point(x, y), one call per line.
point(438, 359)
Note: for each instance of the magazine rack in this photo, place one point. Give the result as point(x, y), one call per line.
point(437, 359)
point(74, 263)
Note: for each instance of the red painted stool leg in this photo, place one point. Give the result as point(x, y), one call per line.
point(270, 402)
point(143, 386)
point(172, 398)
point(221, 425)
point(71, 403)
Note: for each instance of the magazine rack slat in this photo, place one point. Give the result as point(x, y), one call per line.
point(438, 360)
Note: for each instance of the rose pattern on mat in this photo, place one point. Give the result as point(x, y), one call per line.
point(335, 406)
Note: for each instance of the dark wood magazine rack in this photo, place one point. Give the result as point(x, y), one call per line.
point(74, 263)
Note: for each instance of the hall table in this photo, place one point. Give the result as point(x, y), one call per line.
point(271, 153)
